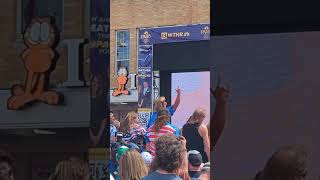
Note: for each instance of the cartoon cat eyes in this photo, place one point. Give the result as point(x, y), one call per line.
point(123, 71)
point(39, 33)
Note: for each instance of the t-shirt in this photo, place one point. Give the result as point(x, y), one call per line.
point(194, 175)
point(113, 131)
point(134, 133)
point(152, 135)
point(158, 176)
point(155, 114)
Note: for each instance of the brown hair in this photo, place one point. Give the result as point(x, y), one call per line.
point(126, 125)
point(197, 114)
point(162, 119)
point(132, 166)
point(71, 169)
point(169, 154)
point(287, 163)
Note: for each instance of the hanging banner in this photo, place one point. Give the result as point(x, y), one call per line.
point(99, 68)
point(170, 34)
point(98, 163)
point(148, 37)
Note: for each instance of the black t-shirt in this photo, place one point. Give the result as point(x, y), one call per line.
point(194, 140)
point(194, 174)
point(158, 176)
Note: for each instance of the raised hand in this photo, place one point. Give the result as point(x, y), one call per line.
point(220, 93)
point(178, 90)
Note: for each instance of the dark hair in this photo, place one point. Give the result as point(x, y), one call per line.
point(6, 157)
point(286, 163)
point(168, 153)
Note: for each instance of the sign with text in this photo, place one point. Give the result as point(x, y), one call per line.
point(147, 38)
point(198, 32)
point(99, 68)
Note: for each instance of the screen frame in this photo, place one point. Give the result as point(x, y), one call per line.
point(165, 87)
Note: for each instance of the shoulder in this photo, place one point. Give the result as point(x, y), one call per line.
point(203, 129)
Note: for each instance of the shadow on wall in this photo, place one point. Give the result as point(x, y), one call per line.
point(274, 95)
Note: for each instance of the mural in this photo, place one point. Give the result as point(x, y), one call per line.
point(39, 60)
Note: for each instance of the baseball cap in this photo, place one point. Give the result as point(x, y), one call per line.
point(194, 158)
point(121, 151)
point(147, 158)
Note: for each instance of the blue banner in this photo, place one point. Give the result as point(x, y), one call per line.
point(99, 67)
point(149, 36)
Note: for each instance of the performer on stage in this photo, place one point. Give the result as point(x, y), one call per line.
point(161, 103)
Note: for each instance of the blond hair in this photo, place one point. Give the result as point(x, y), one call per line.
point(132, 166)
point(71, 169)
point(197, 115)
point(158, 104)
point(126, 125)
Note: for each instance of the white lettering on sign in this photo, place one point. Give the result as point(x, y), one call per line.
point(99, 28)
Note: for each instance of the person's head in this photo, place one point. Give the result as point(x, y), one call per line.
point(205, 172)
point(132, 166)
point(145, 84)
point(287, 163)
point(160, 103)
point(131, 119)
point(6, 166)
point(71, 169)
point(170, 153)
point(120, 151)
point(147, 158)
point(198, 116)
point(195, 160)
point(112, 117)
point(162, 119)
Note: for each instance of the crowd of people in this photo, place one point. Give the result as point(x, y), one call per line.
point(163, 151)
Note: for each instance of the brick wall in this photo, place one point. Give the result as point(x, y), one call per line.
point(11, 64)
point(133, 14)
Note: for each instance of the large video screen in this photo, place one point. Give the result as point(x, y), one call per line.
point(195, 87)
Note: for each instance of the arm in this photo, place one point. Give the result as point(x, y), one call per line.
point(140, 104)
point(203, 131)
point(25, 54)
point(218, 118)
point(177, 101)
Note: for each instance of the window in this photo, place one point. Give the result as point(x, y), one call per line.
point(123, 49)
point(33, 8)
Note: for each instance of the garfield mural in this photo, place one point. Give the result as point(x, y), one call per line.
point(39, 60)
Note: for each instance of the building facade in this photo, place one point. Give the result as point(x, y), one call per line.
point(127, 17)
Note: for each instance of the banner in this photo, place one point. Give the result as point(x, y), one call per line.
point(148, 37)
point(170, 34)
point(98, 163)
point(99, 68)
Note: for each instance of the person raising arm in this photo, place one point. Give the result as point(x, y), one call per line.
point(218, 119)
point(161, 103)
